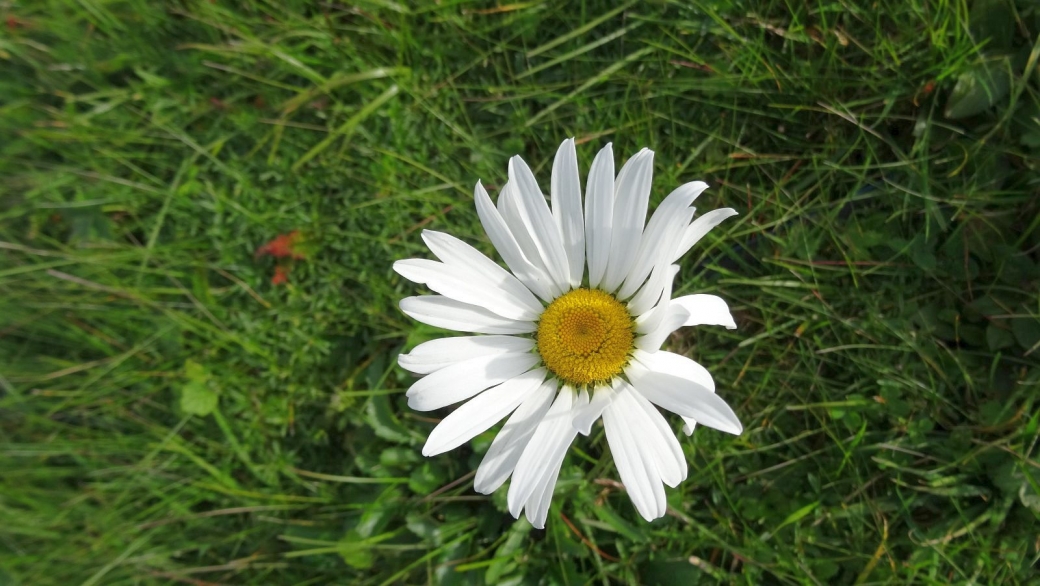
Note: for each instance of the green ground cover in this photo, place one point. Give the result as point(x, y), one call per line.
point(172, 413)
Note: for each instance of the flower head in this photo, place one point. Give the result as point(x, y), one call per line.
point(570, 333)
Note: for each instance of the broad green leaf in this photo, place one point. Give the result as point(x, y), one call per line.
point(1026, 331)
point(921, 253)
point(381, 418)
point(998, 338)
point(979, 88)
point(195, 371)
point(991, 22)
point(397, 457)
point(1029, 497)
point(357, 551)
point(426, 479)
point(198, 399)
point(970, 334)
point(357, 556)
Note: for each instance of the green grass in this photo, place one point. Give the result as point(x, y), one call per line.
point(883, 272)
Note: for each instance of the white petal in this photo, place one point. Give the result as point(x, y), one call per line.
point(509, 444)
point(706, 310)
point(544, 454)
point(539, 222)
point(668, 455)
point(581, 400)
point(436, 354)
point(466, 285)
point(537, 507)
point(701, 226)
point(676, 365)
point(685, 398)
point(631, 196)
point(668, 222)
point(599, 214)
point(442, 312)
point(462, 380)
point(673, 319)
point(509, 207)
point(506, 245)
point(565, 192)
point(680, 366)
point(653, 292)
point(651, 304)
point(689, 424)
point(654, 453)
point(589, 413)
point(667, 239)
point(481, 412)
point(629, 461)
point(455, 252)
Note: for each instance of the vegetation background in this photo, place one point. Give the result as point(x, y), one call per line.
point(202, 199)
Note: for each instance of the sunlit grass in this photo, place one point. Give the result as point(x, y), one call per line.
point(168, 413)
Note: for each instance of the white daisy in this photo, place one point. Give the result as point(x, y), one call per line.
point(562, 346)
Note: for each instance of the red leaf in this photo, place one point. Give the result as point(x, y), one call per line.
point(282, 246)
point(281, 275)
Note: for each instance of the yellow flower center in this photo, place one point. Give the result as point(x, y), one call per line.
point(585, 337)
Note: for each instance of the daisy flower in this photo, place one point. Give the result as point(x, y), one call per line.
point(571, 333)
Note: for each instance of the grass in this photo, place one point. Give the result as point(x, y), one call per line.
point(170, 415)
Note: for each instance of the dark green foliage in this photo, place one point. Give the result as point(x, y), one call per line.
point(168, 414)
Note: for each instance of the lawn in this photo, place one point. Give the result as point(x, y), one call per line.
point(201, 201)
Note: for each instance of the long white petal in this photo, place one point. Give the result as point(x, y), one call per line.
point(668, 455)
point(462, 380)
point(509, 206)
point(539, 221)
point(481, 412)
point(565, 192)
point(537, 507)
point(437, 354)
point(680, 366)
point(664, 242)
point(702, 226)
point(588, 414)
point(655, 453)
point(544, 453)
point(599, 214)
point(650, 307)
point(684, 397)
point(706, 310)
point(466, 285)
point(676, 365)
point(668, 222)
point(509, 444)
point(506, 245)
point(581, 401)
point(450, 314)
point(658, 289)
point(455, 252)
point(673, 319)
point(629, 461)
point(631, 196)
